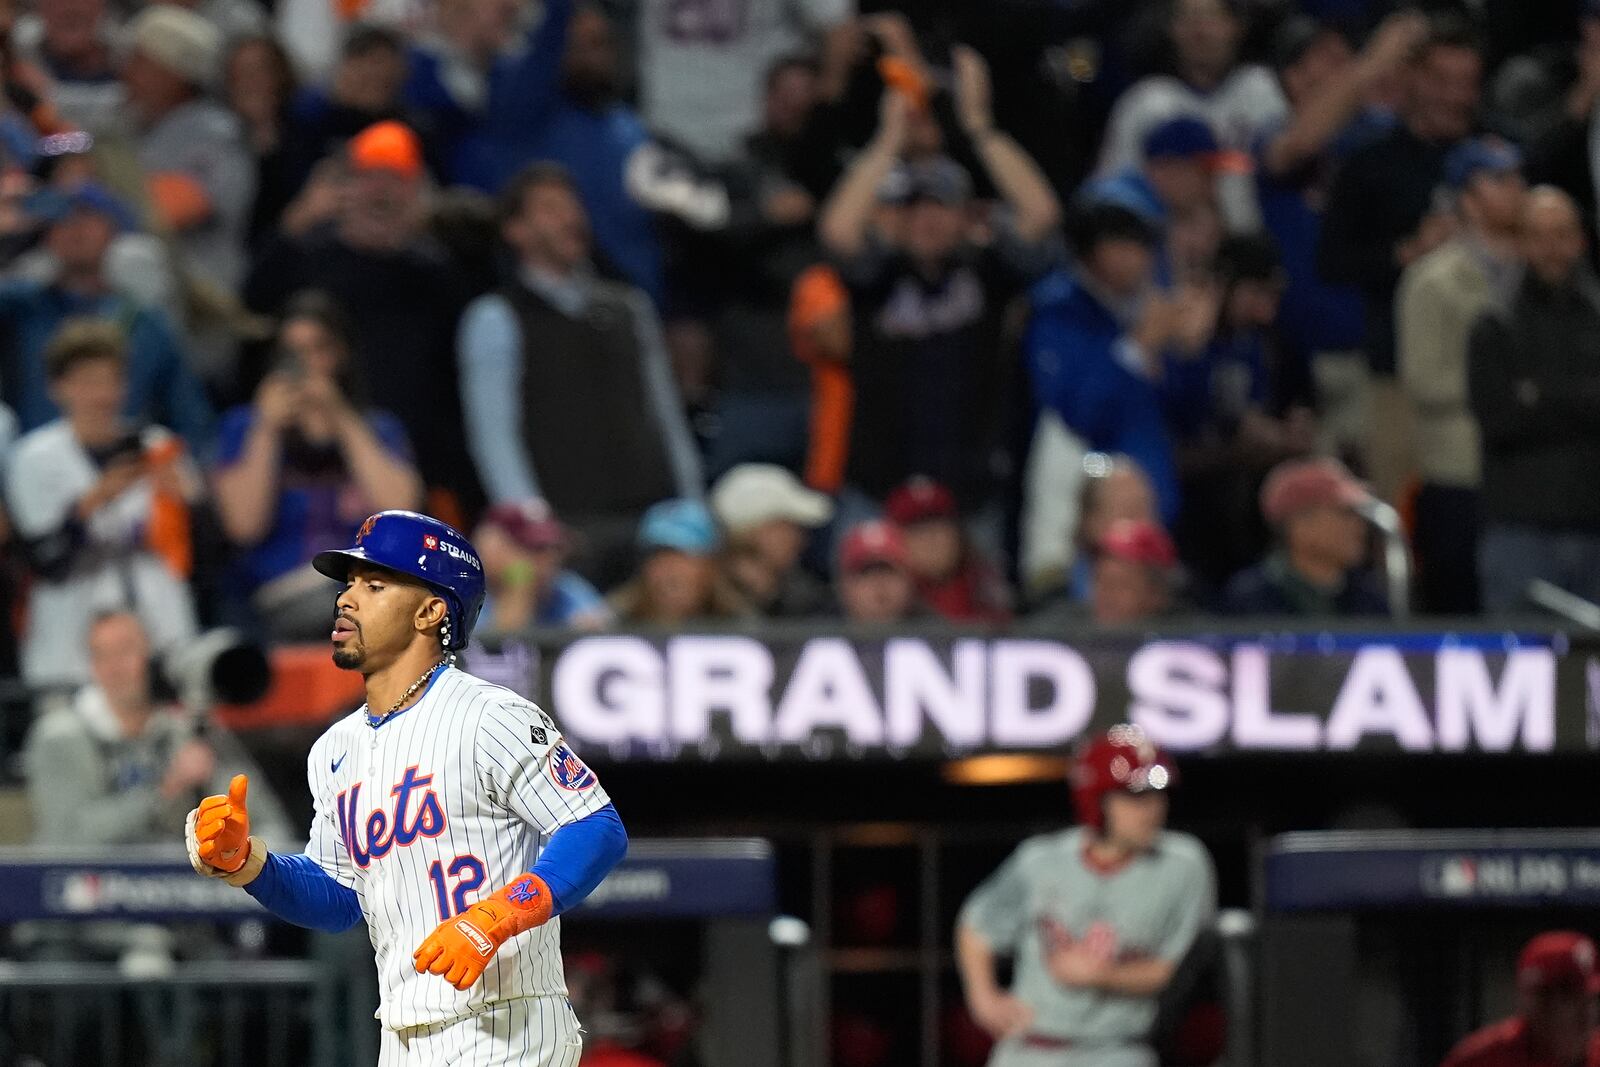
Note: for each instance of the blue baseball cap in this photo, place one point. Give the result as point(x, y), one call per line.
point(684, 525)
point(1184, 137)
point(1470, 157)
point(52, 205)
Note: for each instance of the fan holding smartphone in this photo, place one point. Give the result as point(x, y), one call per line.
point(102, 507)
point(300, 467)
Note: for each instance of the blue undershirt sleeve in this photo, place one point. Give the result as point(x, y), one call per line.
point(580, 855)
point(297, 890)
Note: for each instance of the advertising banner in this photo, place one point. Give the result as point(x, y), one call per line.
point(827, 695)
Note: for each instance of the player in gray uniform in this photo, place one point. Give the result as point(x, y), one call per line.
point(1097, 919)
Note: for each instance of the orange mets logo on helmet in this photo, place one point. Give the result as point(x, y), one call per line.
point(366, 528)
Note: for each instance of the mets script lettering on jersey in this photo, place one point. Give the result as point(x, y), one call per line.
point(384, 830)
point(457, 797)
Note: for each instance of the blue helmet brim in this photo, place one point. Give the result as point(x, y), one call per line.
point(336, 564)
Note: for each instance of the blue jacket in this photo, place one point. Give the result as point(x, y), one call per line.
point(1072, 353)
point(161, 386)
point(528, 118)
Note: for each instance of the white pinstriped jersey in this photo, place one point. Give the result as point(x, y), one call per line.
point(436, 807)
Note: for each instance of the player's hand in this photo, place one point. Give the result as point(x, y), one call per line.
point(462, 946)
point(220, 833)
point(1000, 1014)
point(1078, 966)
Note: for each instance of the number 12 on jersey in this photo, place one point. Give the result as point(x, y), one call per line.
point(468, 872)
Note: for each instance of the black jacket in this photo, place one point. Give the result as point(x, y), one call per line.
point(1534, 378)
point(1382, 193)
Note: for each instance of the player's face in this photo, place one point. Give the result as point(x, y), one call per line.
point(376, 618)
point(1134, 819)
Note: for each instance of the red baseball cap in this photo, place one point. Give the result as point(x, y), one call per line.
point(1300, 484)
point(919, 499)
point(875, 542)
point(1559, 959)
point(530, 524)
point(1138, 541)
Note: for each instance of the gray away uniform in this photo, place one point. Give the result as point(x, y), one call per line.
point(1154, 906)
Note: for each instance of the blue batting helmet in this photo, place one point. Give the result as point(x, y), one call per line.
point(433, 552)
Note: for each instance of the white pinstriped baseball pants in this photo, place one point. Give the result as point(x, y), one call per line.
point(526, 1032)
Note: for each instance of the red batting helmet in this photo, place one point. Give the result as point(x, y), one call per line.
point(1122, 759)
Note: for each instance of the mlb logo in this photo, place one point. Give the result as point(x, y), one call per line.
point(1458, 877)
point(430, 542)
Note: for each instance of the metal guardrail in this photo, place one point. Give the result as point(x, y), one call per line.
point(201, 1014)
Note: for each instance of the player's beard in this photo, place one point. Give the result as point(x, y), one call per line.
point(348, 656)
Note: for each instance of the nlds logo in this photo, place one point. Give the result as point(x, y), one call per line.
point(430, 542)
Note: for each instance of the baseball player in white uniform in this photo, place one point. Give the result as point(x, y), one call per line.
point(450, 814)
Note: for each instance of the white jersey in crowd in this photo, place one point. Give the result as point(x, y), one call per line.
point(1247, 103)
point(436, 807)
point(703, 63)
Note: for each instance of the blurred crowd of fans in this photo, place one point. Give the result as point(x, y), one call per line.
point(723, 310)
point(716, 310)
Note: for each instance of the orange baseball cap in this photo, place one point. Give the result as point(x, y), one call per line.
point(387, 146)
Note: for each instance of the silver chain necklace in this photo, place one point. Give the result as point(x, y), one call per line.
point(418, 684)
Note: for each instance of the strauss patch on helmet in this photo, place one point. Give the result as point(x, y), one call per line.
point(455, 551)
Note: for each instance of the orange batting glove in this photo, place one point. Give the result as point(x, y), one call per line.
point(217, 834)
point(462, 946)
